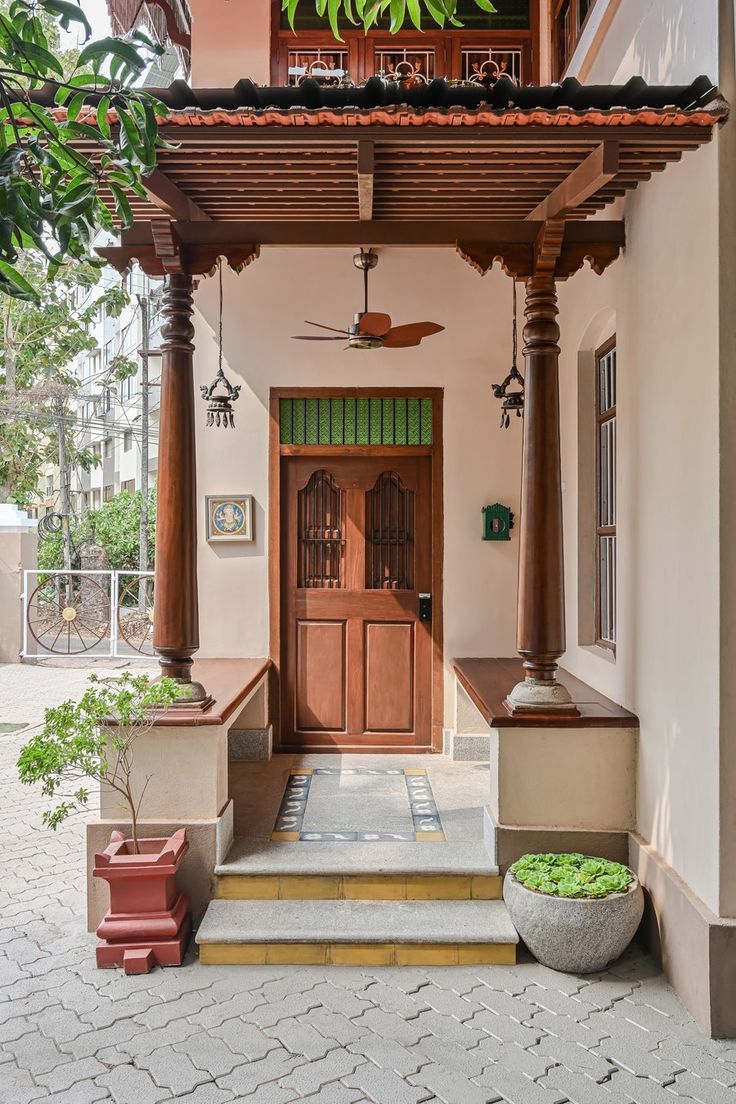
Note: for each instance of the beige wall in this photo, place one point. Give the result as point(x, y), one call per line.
point(231, 39)
point(662, 298)
point(266, 304)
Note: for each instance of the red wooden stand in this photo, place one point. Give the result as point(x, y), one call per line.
point(149, 922)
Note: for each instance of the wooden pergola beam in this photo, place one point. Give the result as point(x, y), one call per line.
point(366, 178)
point(598, 169)
point(351, 233)
point(171, 200)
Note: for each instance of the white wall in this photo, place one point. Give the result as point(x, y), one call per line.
point(266, 304)
point(664, 295)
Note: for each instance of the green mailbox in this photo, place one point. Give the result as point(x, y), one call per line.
point(498, 521)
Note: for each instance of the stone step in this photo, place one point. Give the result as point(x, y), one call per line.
point(358, 871)
point(351, 933)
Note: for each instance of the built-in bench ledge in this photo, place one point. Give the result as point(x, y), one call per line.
point(557, 782)
point(488, 682)
point(230, 682)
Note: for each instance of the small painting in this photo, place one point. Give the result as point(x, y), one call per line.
point(230, 518)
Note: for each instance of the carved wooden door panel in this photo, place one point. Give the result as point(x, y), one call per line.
point(357, 553)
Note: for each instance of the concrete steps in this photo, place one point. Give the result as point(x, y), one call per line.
point(334, 871)
point(351, 933)
point(357, 904)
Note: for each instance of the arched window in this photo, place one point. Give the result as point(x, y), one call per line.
point(321, 529)
point(389, 546)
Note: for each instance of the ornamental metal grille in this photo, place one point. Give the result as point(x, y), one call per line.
point(325, 66)
point(321, 531)
point(389, 529)
point(356, 421)
point(413, 63)
point(480, 65)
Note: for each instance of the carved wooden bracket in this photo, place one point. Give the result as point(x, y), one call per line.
point(560, 250)
point(194, 260)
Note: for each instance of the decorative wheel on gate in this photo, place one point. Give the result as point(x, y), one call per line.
point(135, 614)
point(68, 614)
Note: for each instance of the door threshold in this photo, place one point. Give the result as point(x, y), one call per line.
point(356, 749)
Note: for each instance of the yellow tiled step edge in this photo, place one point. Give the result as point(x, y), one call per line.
point(353, 887)
point(357, 954)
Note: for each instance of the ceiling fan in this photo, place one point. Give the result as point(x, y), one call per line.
point(371, 330)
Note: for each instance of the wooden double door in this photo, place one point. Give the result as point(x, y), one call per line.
point(356, 578)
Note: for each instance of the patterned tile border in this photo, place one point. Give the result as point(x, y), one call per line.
point(289, 824)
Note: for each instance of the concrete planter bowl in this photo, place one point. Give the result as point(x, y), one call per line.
point(576, 935)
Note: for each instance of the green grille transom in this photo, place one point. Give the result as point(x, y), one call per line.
point(356, 421)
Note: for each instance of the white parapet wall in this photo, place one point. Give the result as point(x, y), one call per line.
point(18, 553)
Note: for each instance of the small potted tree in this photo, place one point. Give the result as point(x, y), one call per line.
point(575, 913)
point(94, 740)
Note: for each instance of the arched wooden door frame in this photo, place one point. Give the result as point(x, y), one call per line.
point(434, 451)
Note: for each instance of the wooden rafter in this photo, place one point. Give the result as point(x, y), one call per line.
point(366, 179)
point(593, 173)
point(169, 197)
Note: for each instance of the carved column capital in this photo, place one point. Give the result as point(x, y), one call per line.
point(541, 332)
point(177, 309)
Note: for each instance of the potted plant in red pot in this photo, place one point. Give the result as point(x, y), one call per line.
point(94, 739)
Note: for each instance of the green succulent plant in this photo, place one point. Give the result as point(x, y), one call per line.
point(572, 875)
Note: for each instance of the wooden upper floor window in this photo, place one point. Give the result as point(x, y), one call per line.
point(483, 49)
point(568, 19)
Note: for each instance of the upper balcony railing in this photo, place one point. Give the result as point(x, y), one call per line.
point(483, 49)
point(568, 19)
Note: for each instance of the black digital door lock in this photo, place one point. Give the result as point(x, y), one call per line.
point(425, 607)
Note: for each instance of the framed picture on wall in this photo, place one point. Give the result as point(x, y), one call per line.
point(229, 518)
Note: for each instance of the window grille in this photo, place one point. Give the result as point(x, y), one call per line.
point(321, 529)
point(606, 497)
point(485, 65)
point(413, 63)
point(356, 421)
point(389, 530)
point(325, 66)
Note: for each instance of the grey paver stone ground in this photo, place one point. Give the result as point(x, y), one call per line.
point(587, 1031)
point(702, 1090)
point(210, 1054)
point(333, 1025)
point(516, 1088)
point(506, 1029)
point(513, 1057)
point(84, 1092)
point(450, 1004)
point(696, 1061)
point(451, 1086)
point(382, 1086)
point(215, 1014)
point(145, 1041)
point(336, 1093)
point(267, 1015)
point(37, 1054)
point(245, 1039)
point(128, 1085)
point(209, 1094)
point(17, 1085)
point(301, 1038)
point(312, 1076)
point(574, 1057)
point(448, 1028)
point(172, 1070)
point(347, 1003)
point(247, 1078)
point(562, 1004)
point(390, 999)
point(388, 1054)
point(640, 1090)
point(466, 1060)
point(580, 1089)
point(63, 1078)
point(392, 1026)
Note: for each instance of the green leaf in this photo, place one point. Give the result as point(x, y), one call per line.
point(18, 281)
point(102, 124)
point(415, 13)
point(333, 11)
point(68, 13)
point(113, 48)
point(398, 12)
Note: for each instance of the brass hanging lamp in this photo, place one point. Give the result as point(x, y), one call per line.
point(511, 391)
point(220, 394)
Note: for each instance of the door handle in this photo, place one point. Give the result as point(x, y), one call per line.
point(425, 607)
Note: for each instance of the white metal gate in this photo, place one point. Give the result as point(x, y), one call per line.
point(90, 613)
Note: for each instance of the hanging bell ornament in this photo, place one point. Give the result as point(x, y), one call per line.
point(220, 395)
point(512, 401)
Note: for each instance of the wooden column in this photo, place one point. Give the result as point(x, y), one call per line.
point(541, 602)
point(176, 613)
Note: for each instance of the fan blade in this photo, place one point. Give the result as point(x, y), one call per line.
point(401, 337)
point(374, 324)
point(311, 337)
point(334, 330)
